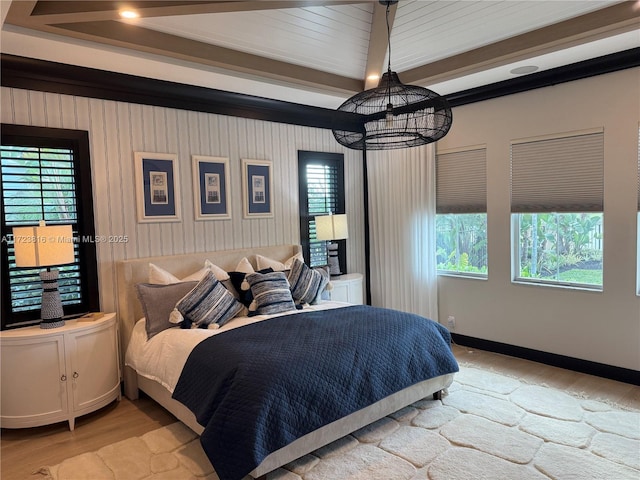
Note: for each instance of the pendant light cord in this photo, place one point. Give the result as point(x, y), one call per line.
point(388, 38)
point(389, 104)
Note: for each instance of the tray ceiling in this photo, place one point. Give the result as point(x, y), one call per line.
point(335, 45)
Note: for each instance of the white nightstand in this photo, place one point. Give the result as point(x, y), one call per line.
point(347, 288)
point(56, 375)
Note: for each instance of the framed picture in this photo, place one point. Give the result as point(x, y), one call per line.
point(257, 188)
point(211, 187)
point(157, 195)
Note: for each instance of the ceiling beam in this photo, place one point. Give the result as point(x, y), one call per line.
point(618, 18)
point(151, 41)
point(106, 29)
point(378, 43)
point(52, 12)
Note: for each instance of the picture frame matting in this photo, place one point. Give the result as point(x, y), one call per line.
point(157, 187)
point(257, 188)
point(211, 187)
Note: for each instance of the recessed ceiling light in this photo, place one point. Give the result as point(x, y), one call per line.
point(373, 77)
point(129, 14)
point(524, 70)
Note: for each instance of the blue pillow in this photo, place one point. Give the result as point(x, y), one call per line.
point(306, 283)
point(242, 288)
point(209, 303)
point(271, 293)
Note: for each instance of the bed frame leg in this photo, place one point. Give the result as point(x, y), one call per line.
point(438, 395)
point(130, 383)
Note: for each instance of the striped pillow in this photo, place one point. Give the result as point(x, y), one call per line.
point(306, 283)
point(209, 303)
point(271, 293)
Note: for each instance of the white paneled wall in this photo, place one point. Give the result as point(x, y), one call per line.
point(118, 129)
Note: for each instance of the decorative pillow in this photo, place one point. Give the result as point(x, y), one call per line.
point(208, 303)
point(266, 262)
point(242, 287)
point(160, 276)
point(271, 293)
point(157, 303)
point(324, 270)
point(307, 284)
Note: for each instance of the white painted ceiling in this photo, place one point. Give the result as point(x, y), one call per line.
point(321, 54)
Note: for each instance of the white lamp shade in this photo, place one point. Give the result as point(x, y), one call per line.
point(43, 246)
point(332, 227)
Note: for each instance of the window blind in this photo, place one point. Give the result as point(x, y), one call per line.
point(560, 174)
point(321, 192)
point(38, 184)
point(461, 181)
point(322, 197)
point(45, 174)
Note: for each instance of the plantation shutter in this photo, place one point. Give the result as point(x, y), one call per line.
point(322, 192)
point(559, 174)
point(461, 181)
point(39, 181)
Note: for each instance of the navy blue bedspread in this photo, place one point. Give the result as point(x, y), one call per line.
point(257, 388)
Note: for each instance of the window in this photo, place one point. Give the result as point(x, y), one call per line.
point(557, 186)
point(321, 191)
point(461, 212)
point(45, 175)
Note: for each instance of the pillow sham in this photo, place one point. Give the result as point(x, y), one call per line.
point(244, 266)
point(306, 283)
point(157, 303)
point(265, 262)
point(208, 303)
point(160, 276)
point(271, 293)
point(220, 273)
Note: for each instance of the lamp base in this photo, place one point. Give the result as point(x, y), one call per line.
point(51, 304)
point(334, 262)
point(52, 324)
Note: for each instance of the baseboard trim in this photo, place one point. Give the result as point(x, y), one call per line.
point(578, 365)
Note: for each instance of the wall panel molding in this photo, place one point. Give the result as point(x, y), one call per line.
point(118, 129)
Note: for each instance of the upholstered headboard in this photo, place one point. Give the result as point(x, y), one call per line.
point(132, 272)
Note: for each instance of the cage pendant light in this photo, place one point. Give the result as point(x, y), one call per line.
point(395, 115)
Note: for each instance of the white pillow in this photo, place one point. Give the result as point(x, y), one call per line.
point(244, 266)
point(266, 262)
point(220, 273)
point(160, 276)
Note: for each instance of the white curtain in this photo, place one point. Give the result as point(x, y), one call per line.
point(402, 230)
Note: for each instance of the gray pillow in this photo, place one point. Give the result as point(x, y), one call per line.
point(157, 303)
point(209, 302)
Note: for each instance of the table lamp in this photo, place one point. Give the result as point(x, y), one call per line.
point(332, 227)
point(45, 246)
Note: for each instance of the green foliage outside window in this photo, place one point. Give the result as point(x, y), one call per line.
point(560, 247)
point(461, 243)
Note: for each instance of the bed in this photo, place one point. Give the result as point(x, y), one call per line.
point(162, 383)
